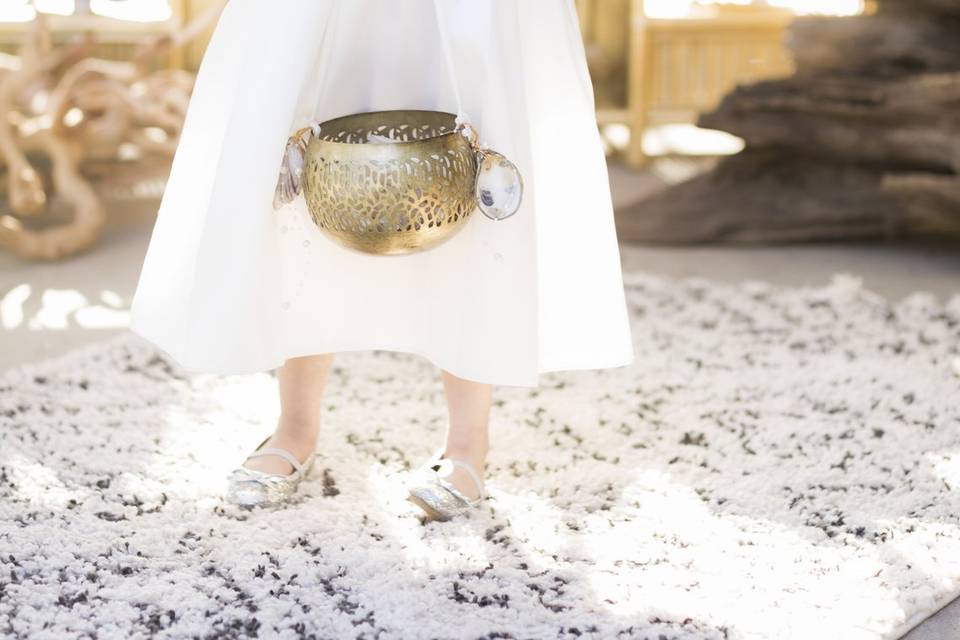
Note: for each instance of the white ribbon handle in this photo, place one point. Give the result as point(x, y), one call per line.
point(462, 118)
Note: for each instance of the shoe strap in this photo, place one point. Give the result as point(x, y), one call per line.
point(471, 472)
point(283, 453)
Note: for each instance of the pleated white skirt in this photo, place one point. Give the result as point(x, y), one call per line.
point(231, 286)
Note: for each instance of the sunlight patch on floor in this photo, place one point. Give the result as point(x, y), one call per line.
point(61, 309)
point(690, 140)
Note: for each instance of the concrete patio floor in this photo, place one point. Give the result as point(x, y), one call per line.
point(102, 282)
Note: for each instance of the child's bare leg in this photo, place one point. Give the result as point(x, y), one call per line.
point(469, 404)
point(302, 382)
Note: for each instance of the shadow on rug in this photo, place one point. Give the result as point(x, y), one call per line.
point(774, 464)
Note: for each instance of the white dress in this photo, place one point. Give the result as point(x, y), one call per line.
point(231, 286)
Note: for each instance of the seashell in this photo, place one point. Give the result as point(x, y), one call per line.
point(290, 181)
point(499, 186)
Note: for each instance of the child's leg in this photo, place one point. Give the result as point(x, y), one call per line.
point(302, 381)
point(467, 432)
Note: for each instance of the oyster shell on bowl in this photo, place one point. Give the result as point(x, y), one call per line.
point(290, 181)
point(499, 186)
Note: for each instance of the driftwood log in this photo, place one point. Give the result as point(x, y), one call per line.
point(862, 142)
point(63, 114)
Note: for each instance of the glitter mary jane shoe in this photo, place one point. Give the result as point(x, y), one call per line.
point(251, 488)
point(436, 495)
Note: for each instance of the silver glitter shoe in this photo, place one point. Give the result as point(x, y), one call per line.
point(436, 495)
point(251, 488)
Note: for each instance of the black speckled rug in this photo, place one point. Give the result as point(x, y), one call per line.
point(775, 464)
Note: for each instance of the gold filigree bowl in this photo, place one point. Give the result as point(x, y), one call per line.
point(390, 182)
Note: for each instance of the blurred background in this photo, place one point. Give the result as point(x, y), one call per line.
point(783, 140)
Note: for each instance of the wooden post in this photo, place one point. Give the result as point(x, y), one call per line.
point(181, 16)
point(585, 12)
point(638, 78)
point(193, 52)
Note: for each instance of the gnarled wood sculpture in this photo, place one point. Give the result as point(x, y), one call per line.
point(62, 111)
point(862, 142)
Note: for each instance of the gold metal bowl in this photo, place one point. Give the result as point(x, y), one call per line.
point(390, 182)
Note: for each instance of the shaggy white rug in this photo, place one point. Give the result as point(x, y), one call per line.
point(778, 464)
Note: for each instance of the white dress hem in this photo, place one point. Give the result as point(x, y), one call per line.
point(436, 360)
